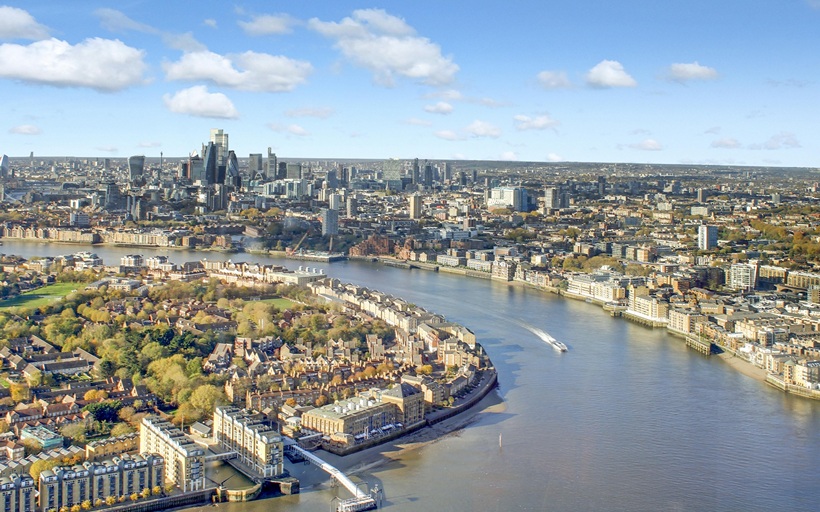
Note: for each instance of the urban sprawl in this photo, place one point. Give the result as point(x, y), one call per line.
point(121, 380)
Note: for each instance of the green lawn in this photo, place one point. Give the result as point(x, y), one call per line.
point(41, 296)
point(280, 302)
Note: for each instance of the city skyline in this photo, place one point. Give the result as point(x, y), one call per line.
point(677, 83)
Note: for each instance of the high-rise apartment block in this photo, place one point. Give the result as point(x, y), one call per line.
point(257, 445)
point(185, 460)
point(707, 237)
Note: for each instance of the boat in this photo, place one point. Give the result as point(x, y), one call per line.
point(557, 345)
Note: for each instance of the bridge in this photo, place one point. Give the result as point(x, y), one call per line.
point(361, 500)
point(215, 456)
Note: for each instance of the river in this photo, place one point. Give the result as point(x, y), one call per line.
point(628, 419)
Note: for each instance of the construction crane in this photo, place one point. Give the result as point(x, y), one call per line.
point(295, 248)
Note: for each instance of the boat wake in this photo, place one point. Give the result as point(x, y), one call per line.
point(545, 337)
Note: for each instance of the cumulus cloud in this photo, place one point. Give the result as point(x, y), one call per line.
point(543, 122)
point(726, 143)
point(388, 47)
point(442, 107)
point(682, 73)
point(268, 24)
point(554, 80)
point(295, 129)
point(197, 101)
point(249, 71)
point(609, 73)
point(25, 129)
point(320, 113)
point(101, 64)
point(447, 94)
point(554, 157)
point(483, 129)
point(782, 140)
point(210, 22)
point(508, 156)
point(647, 145)
point(448, 135)
point(19, 24)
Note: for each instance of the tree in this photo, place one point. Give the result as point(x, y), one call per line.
point(291, 402)
point(86, 505)
point(206, 397)
point(146, 492)
point(120, 429)
point(110, 500)
point(19, 392)
point(76, 432)
point(4, 426)
point(104, 411)
point(41, 465)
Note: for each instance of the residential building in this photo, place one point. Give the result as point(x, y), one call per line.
point(257, 445)
point(185, 460)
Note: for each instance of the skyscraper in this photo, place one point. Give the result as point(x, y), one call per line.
point(391, 173)
point(136, 166)
point(330, 222)
point(4, 166)
point(232, 178)
point(211, 163)
point(707, 237)
point(415, 206)
point(415, 175)
point(220, 140)
point(255, 163)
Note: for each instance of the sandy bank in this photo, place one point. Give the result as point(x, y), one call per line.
point(743, 367)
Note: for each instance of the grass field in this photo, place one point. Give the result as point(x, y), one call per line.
point(40, 296)
point(280, 303)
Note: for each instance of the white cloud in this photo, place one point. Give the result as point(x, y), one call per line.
point(249, 71)
point(119, 22)
point(268, 24)
point(554, 80)
point(713, 130)
point(102, 64)
point(320, 113)
point(508, 156)
point(483, 129)
point(447, 94)
point(197, 101)
point(543, 122)
point(726, 143)
point(418, 122)
point(26, 129)
point(441, 107)
point(609, 73)
point(554, 157)
point(448, 135)
point(210, 22)
point(19, 24)
point(388, 46)
point(295, 129)
point(682, 73)
point(647, 145)
point(107, 149)
point(782, 140)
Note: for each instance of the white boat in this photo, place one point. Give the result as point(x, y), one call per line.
point(557, 345)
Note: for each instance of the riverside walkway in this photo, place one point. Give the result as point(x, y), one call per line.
point(361, 500)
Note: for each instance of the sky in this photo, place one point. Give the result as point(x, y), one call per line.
point(676, 81)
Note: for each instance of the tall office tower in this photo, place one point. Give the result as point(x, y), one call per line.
point(345, 176)
point(334, 201)
point(196, 168)
point(707, 237)
point(352, 206)
point(415, 175)
point(330, 222)
point(552, 198)
point(211, 162)
point(272, 166)
point(415, 206)
point(5, 166)
point(428, 174)
point(255, 164)
point(331, 179)
point(293, 172)
point(220, 140)
point(232, 178)
point(136, 166)
point(702, 195)
point(113, 199)
point(448, 171)
point(601, 185)
point(391, 173)
point(281, 171)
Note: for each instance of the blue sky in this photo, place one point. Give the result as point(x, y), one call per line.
point(695, 81)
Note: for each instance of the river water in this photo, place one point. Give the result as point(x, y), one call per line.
point(628, 419)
